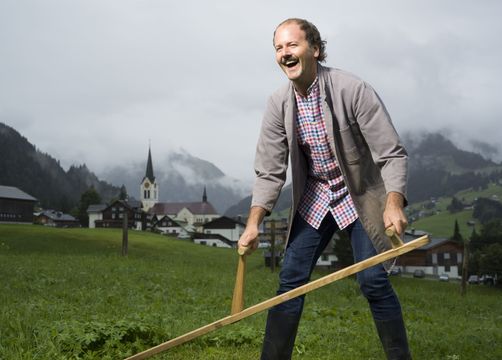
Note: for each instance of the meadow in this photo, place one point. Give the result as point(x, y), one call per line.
point(68, 294)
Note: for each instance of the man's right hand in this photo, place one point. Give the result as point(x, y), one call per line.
point(249, 237)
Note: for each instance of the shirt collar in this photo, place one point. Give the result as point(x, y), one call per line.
point(312, 87)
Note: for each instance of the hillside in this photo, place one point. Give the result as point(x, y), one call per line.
point(104, 306)
point(40, 175)
point(433, 216)
point(181, 176)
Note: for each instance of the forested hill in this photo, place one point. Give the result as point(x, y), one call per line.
point(40, 175)
point(439, 168)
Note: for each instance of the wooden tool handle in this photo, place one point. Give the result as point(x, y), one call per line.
point(267, 304)
point(238, 297)
point(394, 237)
point(242, 250)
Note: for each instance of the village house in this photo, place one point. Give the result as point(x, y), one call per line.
point(440, 256)
point(220, 232)
point(95, 213)
point(215, 240)
point(16, 206)
point(225, 226)
point(56, 219)
point(113, 215)
point(165, 225)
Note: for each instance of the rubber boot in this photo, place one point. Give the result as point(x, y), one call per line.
point(392, 334)
point(280, 334)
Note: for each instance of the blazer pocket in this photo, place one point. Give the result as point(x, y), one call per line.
point(349, 147)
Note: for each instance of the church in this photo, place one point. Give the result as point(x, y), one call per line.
point(188, 214)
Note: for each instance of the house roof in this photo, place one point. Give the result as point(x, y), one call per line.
point(223, 222)
point(96, 208)
point(199, 236)
point(433, 243)
point(196, 208)
point(57, 215)
point(11, 192)
point(165, 217)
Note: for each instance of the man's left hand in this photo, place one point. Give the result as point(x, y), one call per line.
point(394, 212)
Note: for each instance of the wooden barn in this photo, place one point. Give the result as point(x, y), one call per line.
point(16, 206)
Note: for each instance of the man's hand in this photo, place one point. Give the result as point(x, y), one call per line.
point(394, 213)
point(249, 237)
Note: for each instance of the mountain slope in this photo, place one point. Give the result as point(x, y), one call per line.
point(181, 177)
point(40, 175)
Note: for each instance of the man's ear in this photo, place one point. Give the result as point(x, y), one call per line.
point(316, 51)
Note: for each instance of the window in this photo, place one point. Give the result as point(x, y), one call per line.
point(113, 216)
point(459, 258)
point(446, 256)
point(121, 216)
point(434, 259)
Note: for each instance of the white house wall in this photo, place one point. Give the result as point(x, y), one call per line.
point(92, 219)
point(212, 242)
point(230, 234)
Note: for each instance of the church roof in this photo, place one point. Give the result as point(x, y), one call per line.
point(11, 192)
point(196, 208)
point(149, 168)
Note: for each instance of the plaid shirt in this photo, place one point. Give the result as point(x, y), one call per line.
point(325, 189)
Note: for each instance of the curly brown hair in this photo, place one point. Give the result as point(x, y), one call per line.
point(311, 34)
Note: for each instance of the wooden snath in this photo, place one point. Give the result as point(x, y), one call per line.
point(267, 304)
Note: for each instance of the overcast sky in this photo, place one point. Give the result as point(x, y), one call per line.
point(94, 81)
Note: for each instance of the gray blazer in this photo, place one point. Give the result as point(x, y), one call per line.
point(361, 135)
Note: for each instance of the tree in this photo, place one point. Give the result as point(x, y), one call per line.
point(88, 197)
point(455, 206)
point(490, 234)
point(490, 261)
point(456, 233)
point(123, 193)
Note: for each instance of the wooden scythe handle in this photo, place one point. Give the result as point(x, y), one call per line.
point(267, 304)
point(238, 298)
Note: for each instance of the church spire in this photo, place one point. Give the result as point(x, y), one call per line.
point(149, 167)
point(204, 195)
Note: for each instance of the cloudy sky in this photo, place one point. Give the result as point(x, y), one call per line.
point(95, 81)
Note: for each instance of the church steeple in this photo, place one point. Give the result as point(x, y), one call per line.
point(149, 191)
point(204, 195)
point(149, 167)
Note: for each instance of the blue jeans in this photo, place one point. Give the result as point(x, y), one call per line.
point(304, 248)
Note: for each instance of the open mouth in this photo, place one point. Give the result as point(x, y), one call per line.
point(291, 62)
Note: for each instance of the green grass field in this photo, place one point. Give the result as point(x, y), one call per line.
point(68, 294)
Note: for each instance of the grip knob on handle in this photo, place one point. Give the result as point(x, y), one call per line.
point(242, 250)
point(394, 237)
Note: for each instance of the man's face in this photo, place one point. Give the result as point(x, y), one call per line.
point(294, 55)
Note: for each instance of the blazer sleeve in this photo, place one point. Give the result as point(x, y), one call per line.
point(271, 160)
point(383, 141)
